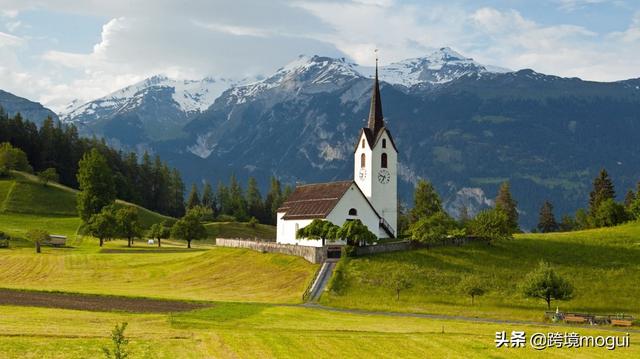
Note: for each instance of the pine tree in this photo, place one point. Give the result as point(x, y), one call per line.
point(272, 201)
point(254, 200)
point(193, 199)
point(426, 201)
point(508, 205)
point(177, 194)
point(97, 189)
point(547, 221)
point(602, 191)
point(222, 199)
point(238, 203)
point(629, 198)
point(208, 198)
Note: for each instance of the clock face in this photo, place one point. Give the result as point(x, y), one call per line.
point(384, 176)
point(362, 174)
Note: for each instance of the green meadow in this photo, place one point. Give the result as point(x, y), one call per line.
point(255, 298)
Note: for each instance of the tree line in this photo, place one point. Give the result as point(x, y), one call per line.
point(146, 181)
point(602, 211)
point(232, 202)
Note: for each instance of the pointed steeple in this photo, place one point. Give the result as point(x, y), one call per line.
point(376, 120)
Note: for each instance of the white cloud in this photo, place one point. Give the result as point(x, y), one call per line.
point(239, 38)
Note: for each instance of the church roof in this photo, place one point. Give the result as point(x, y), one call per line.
point(376, 120)
point(314, 200)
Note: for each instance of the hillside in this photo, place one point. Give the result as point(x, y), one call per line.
point(602, 265)
point(34, 111)
point(23, 194)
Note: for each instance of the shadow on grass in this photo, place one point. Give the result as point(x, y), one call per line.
point(221, 313)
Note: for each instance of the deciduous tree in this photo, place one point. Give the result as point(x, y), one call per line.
point(188, 228)
point(97, 189)
point(545, 283)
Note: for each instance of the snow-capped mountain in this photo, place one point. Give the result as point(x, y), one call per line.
point(442, 66)
point(154, 109)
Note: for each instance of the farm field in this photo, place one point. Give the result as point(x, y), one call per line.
point(603, 265)
point(235, 330)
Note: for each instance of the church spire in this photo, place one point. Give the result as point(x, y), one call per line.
point(376, 121)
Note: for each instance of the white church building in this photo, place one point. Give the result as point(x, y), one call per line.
point(371, 197)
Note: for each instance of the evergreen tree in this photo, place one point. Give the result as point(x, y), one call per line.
point(237, 201)
point(208, 198)
point(97, 189)
point(255, 206)
point(222, 199)
point(567, 224)
point(193, 199)
point(272, 201)
point(629, 198)
point(426, 201)
point(602, 191)
point(177, 194)
point(508, 205)
point(547, 221)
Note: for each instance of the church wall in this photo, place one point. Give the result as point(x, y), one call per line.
point(384, 197)
point(364, 184)
point(354, 199)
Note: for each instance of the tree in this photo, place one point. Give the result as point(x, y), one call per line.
point(48, 175)
point(491, 224)
point(204, 214)
point(356, 233)
point(120, 342)
point(426, 201)
point(399, 279)
point(602, 191)
point(629, 198)
point(97, 189)
point(12, 158)
point(472, 287)
point(319, 229)
point(193, 199)
point(127, 224)
point(188, 228)
point(208, 198)
point(255, 205)
point(103, 225)
point(609, 213)
point(272, 201)
point(583, 220)
point(508, 205)
point(159, 231)
point(38, 237)
point(432, 229)
point(547, 221)
point(545, 283)
point(567, 223)
point(237, 201)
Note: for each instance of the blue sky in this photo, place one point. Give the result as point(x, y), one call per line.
point(60, 50)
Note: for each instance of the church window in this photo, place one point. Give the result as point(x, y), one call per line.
point(384, 143)
point(353, 212)
point(383, 160)
point(363, 160)
point(363, 143)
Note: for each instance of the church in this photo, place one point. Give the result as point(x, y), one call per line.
point(371, 196)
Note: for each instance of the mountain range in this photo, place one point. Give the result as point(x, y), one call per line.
point(463, 125)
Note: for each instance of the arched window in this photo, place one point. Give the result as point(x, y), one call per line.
point(384, 143)
point(383, 160)
point(363, 160)
point(363, 143)
point(353, 212)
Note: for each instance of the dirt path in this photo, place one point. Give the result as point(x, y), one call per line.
point(94, 302)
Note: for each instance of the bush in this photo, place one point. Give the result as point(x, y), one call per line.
point(253, 222)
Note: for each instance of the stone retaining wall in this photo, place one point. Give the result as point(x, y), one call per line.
point(311, 254)
point(383, 248)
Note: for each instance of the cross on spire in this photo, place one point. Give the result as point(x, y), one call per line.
point(376, 120)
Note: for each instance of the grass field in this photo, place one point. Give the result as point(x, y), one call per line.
point(240, 230)
point(603, 265)
point(232, 330)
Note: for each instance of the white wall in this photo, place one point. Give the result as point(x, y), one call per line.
point(364, 184)
point(354, 199)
